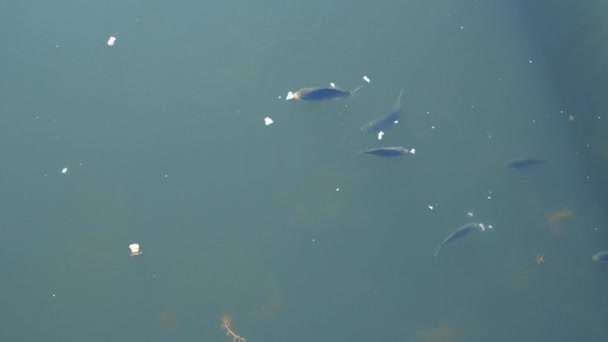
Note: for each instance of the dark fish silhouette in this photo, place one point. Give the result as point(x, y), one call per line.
point(385, 123)
point(459, 234)
point(525, 162)
point(601, 256)
point(320, 94)
point(387, 151)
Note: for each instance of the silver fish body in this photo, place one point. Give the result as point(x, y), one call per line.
point(394, 151)
point(459, 234)
point(601, 256)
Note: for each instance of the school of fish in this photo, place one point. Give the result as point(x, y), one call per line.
point(385, 123)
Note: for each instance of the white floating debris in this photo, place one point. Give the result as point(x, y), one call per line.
point(290, 96)
point(337, 189)
point(431, 207)
point(413, 151)
point(470, 214)
point(64, 170)
point(366, 79)
point(380, 134)
point(332, 84)
point(268, 121)
point(134, 247)
point(111, 41)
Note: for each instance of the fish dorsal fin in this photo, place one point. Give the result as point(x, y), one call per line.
point(397, 105)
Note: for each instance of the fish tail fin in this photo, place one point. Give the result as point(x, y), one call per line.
point(397, 105)
point(356, 89)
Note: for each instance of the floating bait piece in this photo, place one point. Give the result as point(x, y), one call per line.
point(460, 233)
point(525, 162)
point(385, 123)
point(387, 151)
point(134, 247)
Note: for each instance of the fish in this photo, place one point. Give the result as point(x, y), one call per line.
point(459, 234)
point(385, 123)
point(525, 162)
point(387, 151)
point(600, 256)
point(320, 94)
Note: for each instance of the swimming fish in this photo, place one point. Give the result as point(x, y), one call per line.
point(525, 162)
point(320, 94)
point(386, 122)
point(387, 151)
point(460, 233)
point(601, 256)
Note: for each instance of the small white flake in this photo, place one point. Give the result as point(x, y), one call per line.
point(64, 170)
point(380, 134)
point(366, 79)
point(134, 247)
point(332, 84)
point(268, 121)
point(413, 151)
point(111, 41)
point(470, 214)
point(431, 207)
point(337, 189)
